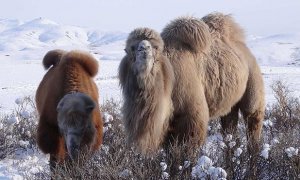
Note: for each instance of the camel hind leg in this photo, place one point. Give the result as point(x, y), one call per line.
point(252, 106)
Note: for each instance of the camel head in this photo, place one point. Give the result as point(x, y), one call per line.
point(75, 121)
point(144, 58)
point(143, 50)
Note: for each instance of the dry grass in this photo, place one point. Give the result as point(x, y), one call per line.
point(117, 160)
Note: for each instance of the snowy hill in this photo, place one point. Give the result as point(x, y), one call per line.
point(36, 37)
point(281, 49)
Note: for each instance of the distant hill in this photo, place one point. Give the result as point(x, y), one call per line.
point(38, 36)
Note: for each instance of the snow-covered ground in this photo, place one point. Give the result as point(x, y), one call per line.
point(23, 45)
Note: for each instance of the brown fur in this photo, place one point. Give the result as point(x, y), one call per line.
point(146, 111)
point(70, 72)
point(215, 76)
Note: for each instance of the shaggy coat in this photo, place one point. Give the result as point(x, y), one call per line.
point(69, 72)
point(147, 99)
point(215, 76)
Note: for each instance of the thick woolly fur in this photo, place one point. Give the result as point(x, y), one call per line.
point(147, 106)
point(68, 72)
point(215, 76)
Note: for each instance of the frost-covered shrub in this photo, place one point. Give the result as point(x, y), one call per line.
point(222, 156)
point(281, 132)
point(18, 129)
point(205, 170)
point(285, 112)
point(265, 151)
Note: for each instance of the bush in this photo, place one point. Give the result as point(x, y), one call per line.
point(18, 130)
point(222, 156)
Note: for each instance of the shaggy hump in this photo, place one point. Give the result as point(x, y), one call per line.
point(88, 62)
point(187, 33)
point(140, 34)
point(224, 26)
point(52, 58)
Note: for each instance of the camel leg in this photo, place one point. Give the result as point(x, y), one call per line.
point(252, 107)
point(229, 122)
point(190, 125)
point(189, 128)
point(47, 136)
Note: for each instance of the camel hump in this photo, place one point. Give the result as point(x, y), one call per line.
point(87, 61)
point(52, 58)
point(187, 33)
point(224, 26)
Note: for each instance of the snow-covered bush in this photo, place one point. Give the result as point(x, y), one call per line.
point(265, 151)
point(291, 151)
point(205, 170)
point(221, 157)
point(18, 129)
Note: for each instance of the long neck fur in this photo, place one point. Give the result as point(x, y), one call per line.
point(148, 108)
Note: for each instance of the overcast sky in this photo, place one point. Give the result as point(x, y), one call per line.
point(258, 17)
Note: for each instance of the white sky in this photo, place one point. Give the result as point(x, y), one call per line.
point(258, 17)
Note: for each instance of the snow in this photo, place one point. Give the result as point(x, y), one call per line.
point(217, 173)
point(291, 151)
point(23, 45)
point(107, 117)
point(125, 174)
point(163, 166)
point(232, 144)
point(165, 175)
point(23, 164)
point(12, 120)
point(228, 137)
point(204, 162)
point(205, 170)
point(279, 50)
point(186, 164)
point(268, 123)
point(238, 152)
point(265, 151)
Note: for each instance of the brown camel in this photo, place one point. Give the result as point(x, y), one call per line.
point(67, 103)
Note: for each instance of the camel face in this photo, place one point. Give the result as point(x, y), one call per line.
point(74, 120)
point(144, 58)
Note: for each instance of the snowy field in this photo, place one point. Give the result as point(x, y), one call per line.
point(23, 45)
